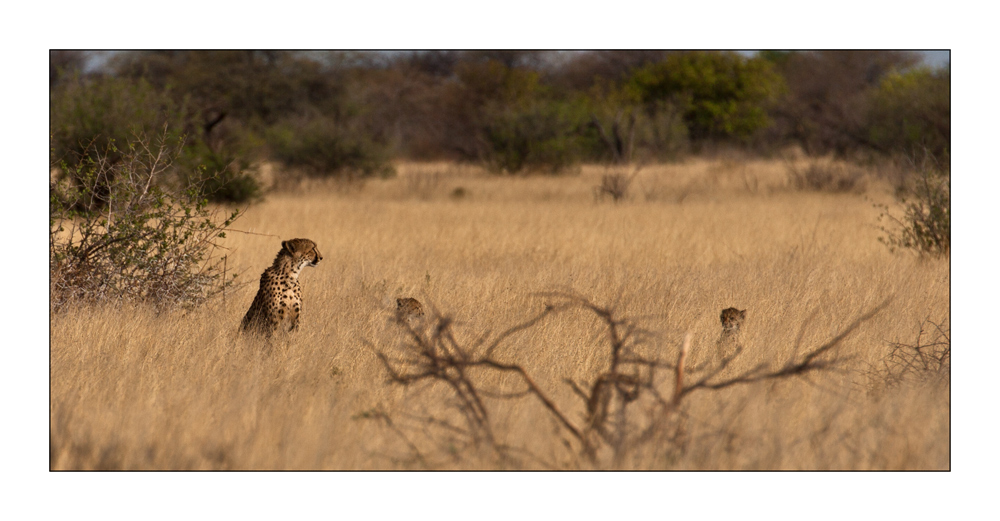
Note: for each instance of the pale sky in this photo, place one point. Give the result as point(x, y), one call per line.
point(934, 59)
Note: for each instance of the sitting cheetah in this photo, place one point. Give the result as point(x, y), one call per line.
point(732, 319)
point(407, 308)
point(280, 294)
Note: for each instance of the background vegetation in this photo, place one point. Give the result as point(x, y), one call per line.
point(352, 113)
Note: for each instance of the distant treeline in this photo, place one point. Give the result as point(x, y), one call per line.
point(351, 113)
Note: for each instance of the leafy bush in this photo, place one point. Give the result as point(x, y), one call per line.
point(146, 243)
point(86, 115)
point(503, 116)
point(540, 135)
point(722, 94)
point(322, 148)
point(89, 115)
point(220, 176)
point(911, 113)
point(926, 222)
point(621, 127)
point(824, 108)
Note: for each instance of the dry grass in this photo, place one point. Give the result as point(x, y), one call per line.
point(134, 390)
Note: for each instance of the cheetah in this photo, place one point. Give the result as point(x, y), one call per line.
point(280, 294)
point(407, 308)
point(732, 319)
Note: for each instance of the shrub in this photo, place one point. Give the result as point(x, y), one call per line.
point(538, 135)
point(146, 243)
point(616, 184)
point(324, 148)
point(926, 360)
point(504, 117)
point(911, 113)
point(825, 104)
point(723, 95)
point(827, 177)
point(89, 115)
point(219, 176)
point(925, 226)
point(621, 127)
point(86, 115)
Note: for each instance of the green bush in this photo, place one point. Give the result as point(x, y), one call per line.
point(147, 244)
point(504, 117)
point(723, 95)
point(622, 128)
point(324, 148)
point(86, 115)
point(911, 113)
point(538, 135)
point(925, 226)
point(219, 176)
point(89, 116)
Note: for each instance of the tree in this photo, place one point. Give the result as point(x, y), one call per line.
point(723, 95)
point(65, 65)
point(506, 118)
point(910, 113)
point(824, 109)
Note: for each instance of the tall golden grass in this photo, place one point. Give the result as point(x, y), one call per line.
point(132, 389)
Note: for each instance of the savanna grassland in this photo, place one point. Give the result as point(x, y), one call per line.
point(135, 389)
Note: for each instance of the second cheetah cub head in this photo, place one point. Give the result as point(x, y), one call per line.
point(407, 308)
point(732, 319)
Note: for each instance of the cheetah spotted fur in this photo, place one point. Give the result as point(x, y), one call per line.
point(280, 295)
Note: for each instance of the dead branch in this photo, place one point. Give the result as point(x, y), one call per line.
point(809, 362)
point(434, 354)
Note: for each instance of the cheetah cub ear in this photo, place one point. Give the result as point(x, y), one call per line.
point(287, 246)
point(743, 314)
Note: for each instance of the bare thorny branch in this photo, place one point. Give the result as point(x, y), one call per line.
point(434, 354)
point(928, 358)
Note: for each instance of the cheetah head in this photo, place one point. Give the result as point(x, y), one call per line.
point(409, 307)
point(303, 252)
point(732, 319)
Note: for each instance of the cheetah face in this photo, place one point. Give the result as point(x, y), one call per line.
point(313, 257)
point(732, 319)
point(304, 252)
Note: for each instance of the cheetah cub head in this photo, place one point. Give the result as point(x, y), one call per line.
point(407, 308)
point(732, 319)
point(303, 252)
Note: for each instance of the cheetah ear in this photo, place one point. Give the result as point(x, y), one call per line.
point(743, 314)
point(399, 302)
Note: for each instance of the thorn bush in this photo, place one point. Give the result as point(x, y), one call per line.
point(925, 226)
point(118, 232)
